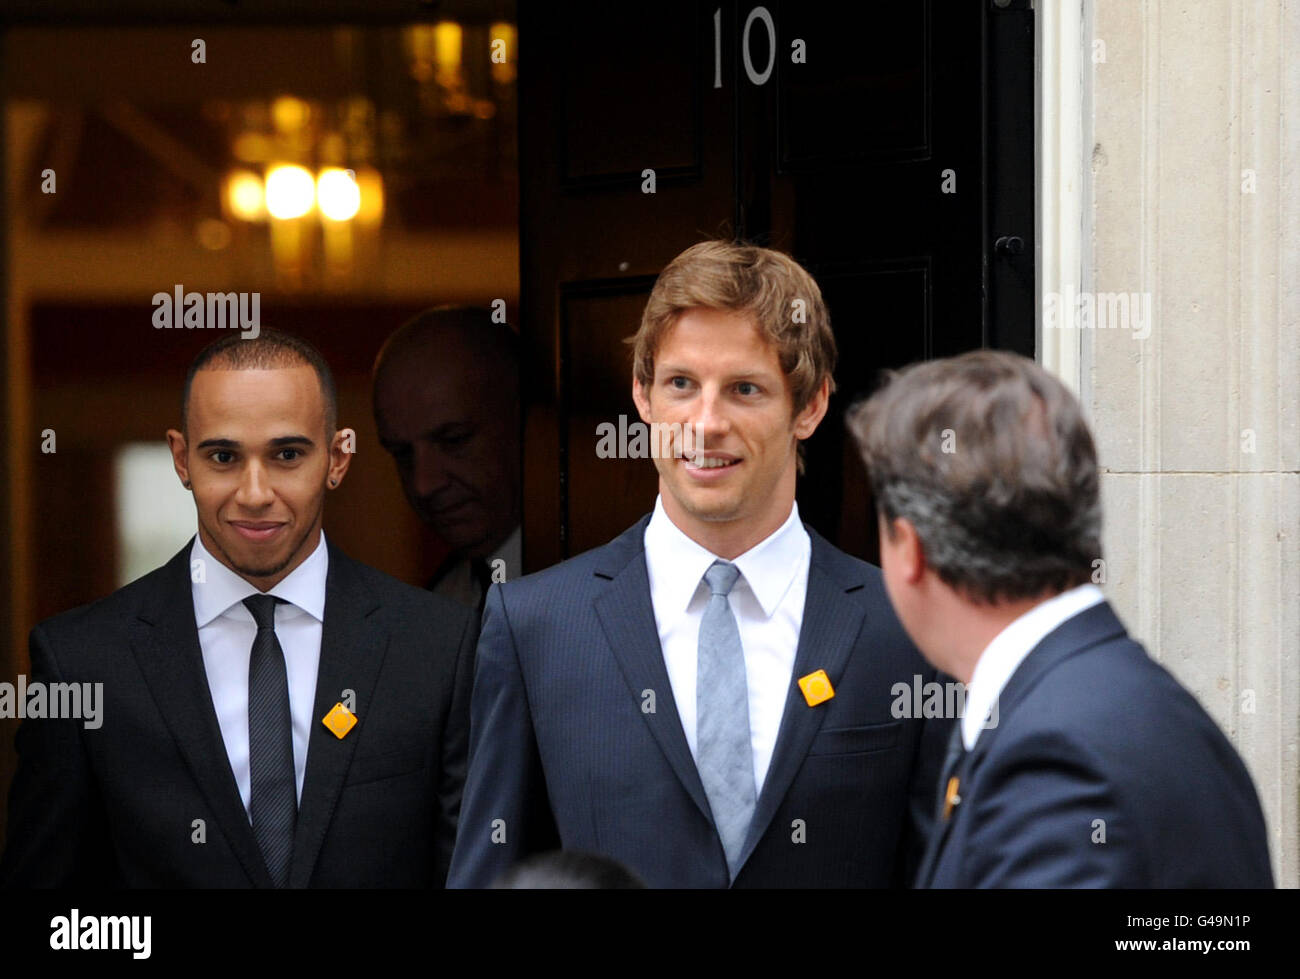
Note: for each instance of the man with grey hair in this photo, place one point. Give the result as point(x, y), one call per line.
point(1102, 771)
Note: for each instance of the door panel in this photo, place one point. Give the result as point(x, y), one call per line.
point(858, 138)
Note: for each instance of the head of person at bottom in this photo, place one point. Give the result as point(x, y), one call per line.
point(732, 370)
point(985, 479)
point(569, 870)
point(259, 448)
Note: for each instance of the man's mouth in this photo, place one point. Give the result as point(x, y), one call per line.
point(256, 530)
point(709, 463)
point(445, 510)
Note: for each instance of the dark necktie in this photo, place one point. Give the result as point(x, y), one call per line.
point(274, 793)
point(483, 578)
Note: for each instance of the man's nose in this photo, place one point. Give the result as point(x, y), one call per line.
point(428, 470)
point(710, 420)
point(255, 489)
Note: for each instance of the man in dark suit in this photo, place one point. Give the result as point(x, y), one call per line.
point(1100, 770)
point(275, 714)
point(707, 698)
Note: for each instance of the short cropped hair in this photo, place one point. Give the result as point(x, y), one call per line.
point(989, 457)
point(269, 350)
point(747, 279)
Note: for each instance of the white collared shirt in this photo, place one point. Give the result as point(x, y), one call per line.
point(226, 633)
point(1003, 656)
point(767, 601)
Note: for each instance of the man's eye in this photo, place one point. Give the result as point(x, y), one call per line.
point(679, 382)
point(222, 457)
point(747, 387)
point(292, 454)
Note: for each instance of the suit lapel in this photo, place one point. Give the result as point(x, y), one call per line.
point(831, 622)
point(939, 836)
point(627, 618)
point(165, 641)
point(353, 645)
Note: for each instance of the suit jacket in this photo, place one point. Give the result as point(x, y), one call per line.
point(1102, 772)
point(575, 740)
point(116, 806)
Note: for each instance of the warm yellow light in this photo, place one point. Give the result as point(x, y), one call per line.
point(244, 196)
point(504, 31)
point(289, 113)
point(371, 186)
point(501, 52)
point(447, 39)
point(290, 191)
point(337, 194)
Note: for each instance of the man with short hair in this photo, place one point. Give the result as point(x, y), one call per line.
point(1102, 771)
point(276, 714)
point(707, 698)
point(446, 403)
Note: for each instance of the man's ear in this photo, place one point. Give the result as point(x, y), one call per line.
point(642, 399)
point(342, 446)
point(180, 459)
point(905, 550)
point(806, 422)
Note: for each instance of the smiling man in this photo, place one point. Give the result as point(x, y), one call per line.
point(275, 714)
point(706, 699)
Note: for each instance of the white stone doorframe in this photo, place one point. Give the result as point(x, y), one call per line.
point(1061, 189)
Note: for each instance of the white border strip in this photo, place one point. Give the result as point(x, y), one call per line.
point(1061, 185)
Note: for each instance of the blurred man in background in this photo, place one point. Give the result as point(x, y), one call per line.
point(446, 401)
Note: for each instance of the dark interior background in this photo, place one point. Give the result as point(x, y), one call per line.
point(841, 158)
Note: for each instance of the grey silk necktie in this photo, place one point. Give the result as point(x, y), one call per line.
point(274, 795)
point(724, 753)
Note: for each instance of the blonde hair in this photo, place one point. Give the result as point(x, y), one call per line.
point(777, 291)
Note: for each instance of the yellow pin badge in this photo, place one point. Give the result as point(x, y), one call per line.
point(816, 687)
point(339, 720)
point(950, 798)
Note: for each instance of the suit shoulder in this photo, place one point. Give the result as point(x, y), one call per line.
point(835, 561)
point(558, 578)
point(409, 599)
point(115, 608)
point(1122, 704)
point(864, 579)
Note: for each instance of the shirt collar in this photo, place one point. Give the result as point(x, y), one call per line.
point(1009, 648)
point(222, 589)
point(769, 567)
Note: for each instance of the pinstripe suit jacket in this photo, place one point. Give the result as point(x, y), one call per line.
point(565, 752)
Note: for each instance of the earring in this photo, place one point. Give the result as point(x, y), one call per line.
point(186, 484)
point(334, 482)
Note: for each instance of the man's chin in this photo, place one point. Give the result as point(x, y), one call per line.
point(254, 564)
point(710, 510)
point(261, 570)
point(462, 536)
